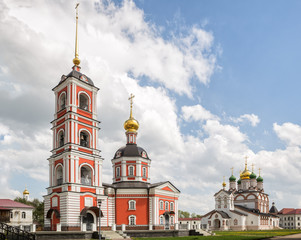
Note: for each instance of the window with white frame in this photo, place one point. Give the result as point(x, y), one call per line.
point(131, 171)
point(161, 220)
point(172, 220)
point(161, 205)
point(61, 138)
point(11, 215)
point(132, 220)
point(118, 172)
point(132, 205)
point(166, 205)
point(171, 206)
point(62, 101)
point(144, 171)
point(83, 102)
point(23, 215)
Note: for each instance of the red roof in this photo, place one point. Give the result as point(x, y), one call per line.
point(189, 219)
point(7, 203)
point(289, 211)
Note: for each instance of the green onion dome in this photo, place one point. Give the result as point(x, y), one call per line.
point(259, 179)
point(239, 181)
point(232, 178)
point(253, 175)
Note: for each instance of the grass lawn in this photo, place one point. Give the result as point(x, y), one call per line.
point(232, 235)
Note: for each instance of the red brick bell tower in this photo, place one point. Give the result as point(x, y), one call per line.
point(75, 166)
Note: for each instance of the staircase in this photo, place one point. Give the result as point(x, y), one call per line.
point(203, 232)
point(114, 235)
point(11, 233)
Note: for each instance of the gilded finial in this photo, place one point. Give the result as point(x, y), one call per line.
point(232, 170)
point(131, 125)
point(224, 183)
point(131, 102)
point(259, 171)
point(246, 163)
point(76, 60)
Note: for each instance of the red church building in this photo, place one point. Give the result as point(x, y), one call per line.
point(75, 169)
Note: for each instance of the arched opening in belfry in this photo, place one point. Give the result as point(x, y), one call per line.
point(83, 102)
point(84, 139)
point(61, 138)
point(86, 175)
point(62, 101)
point(59, 175)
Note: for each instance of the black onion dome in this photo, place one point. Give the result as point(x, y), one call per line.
point(131, 150)
point(79, 76)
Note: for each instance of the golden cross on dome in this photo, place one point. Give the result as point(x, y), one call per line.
point(232, 170)
point(259, 171)
point(246, 164)
point(131, 102)
point(76, 60)
point(252, 167)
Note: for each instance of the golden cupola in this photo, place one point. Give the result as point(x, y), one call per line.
point(131, 125)
point(246, 173)
point(25, 191)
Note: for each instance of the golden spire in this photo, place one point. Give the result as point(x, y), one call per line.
point(76, 60)
point(131, 125)
point(246, 163)
point(224, 183)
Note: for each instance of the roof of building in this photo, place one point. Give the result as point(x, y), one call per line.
point(223, 214)
point(130, 150)
point(273, 209)
point(239, 213)
point(80, 76)
point(7, 203)
point(190, 219)
point(136, 184)
point(254, 211)
point(289, 211)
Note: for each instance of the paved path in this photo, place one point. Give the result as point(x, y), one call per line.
point(289, 237)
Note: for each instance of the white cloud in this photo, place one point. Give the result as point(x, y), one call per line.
point(289, 133)
point(197, 113)
point(252, 118)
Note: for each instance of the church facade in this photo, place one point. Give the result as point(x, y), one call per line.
point(77, 198)
point(243, 206)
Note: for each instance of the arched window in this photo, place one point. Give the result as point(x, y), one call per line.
point(84, 139)
point(161, 220)
point(59, 175)
point(235, 221)
point(219, 202)
point(85, 174)
point(161, 205)
point(83, 102)
point(172, 220)
point(11, 215)
point(23, 215)
point(225, 202)
point(62, 101)
point(132, 220)
point(166, 206)
point(118, 172)
point(132, 205)
point(61, 138)
point(171, 206)
point(144, 171)
point(131, 171)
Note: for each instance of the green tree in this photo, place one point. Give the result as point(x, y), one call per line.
point(183, 214)
point(38, 212)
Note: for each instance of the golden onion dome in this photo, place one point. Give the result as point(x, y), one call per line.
point(131, 125)
point(245, 174)
point(25, 192)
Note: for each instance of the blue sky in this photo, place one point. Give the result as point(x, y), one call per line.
point(214, 81)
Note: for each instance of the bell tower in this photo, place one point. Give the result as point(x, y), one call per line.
point(75, 166)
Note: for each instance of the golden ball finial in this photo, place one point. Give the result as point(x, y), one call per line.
point(131, 125)
point(76, 61)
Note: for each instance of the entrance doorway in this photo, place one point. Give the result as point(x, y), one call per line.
point(88, 220)
point(217, 224)
point(54, 221)
point(166, 222)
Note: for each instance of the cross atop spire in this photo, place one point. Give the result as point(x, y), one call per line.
point(76, 60)
point(246, 163)
point(232, 170)
point(259, 171)
point(131, 102)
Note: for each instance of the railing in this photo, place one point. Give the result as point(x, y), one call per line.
point(10, 232)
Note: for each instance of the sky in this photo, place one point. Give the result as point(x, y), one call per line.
point(214, 81)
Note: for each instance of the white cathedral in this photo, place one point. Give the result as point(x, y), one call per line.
point(244, 206)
